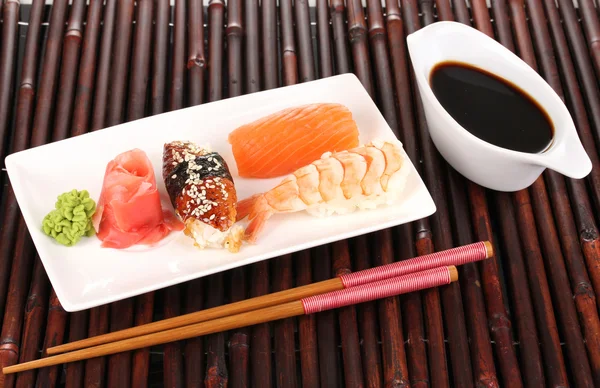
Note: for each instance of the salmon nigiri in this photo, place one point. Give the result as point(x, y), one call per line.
point(284, 141)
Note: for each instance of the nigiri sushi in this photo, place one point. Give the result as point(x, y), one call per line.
point(203, 194)
point(280, 143)
point(340, 182)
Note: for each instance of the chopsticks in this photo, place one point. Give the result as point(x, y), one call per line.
point(455, 256)
point(358, 294)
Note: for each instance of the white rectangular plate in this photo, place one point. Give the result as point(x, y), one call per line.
point(87, 275)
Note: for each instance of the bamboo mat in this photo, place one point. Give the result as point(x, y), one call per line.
point(529, 317)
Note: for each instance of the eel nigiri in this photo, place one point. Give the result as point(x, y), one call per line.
point(280, 143)
point(203, 194)
point(340, 182)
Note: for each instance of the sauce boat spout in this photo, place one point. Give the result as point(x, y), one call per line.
point(487, 164)
point(567, 157)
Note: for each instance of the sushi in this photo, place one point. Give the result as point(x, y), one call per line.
point(280, 143)
point(356, 179)
point(129, 210)
point(203, 194)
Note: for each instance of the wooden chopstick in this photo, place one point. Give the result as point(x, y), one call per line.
point(455, 256)
point(359, 294)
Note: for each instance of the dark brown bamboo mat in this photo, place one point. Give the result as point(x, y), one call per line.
point(527, 318)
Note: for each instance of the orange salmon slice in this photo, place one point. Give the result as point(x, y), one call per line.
point(282, 142)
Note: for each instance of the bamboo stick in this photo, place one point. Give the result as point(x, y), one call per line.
point(234, 33)
point(69, 70)
point(137, 98)
point(216, 369)
point(390, 287)
point(215, 53)
point(172, 354)
point(193, 351)
point(412, 304)
point(451, 296)
point(87, 70)
point(25, 102)
point(289, 60)
point(23, 251)
point(357, 33)
point(34, 320)
point(8, 55)
point(99, 114)
point(338, 20)
point(327, 332)
point(477, 321)
point(260, 343)
point(159, 56)
point(121, 312)
point(591, 25)
point(172, 357)
point(367, 319)
point(377, 37)
point(585, 223)
point(78, 326)
point(99, 316)
point(238, 339)
point(566, 310)
point(10, 336)
point(269, 44)
point(395, 369)
point(95, 368)
point(176, 100)
point(324, 43)
point(434, 323)
point(120, 61)
point(55, 331)
point(140, 61)
point(253, 79)
point(353, 373)
point(305, 51)
point(283, 331)
point(307, 326)
point(196, 62)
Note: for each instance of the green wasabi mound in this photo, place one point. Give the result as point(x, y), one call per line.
point(71, 219)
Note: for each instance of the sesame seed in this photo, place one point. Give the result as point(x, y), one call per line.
point(212, 217)
point(174, 176)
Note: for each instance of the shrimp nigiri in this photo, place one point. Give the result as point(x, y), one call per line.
point(341, 182)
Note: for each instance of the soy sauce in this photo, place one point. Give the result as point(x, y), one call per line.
point(491, 108)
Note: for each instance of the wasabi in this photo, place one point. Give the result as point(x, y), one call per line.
point(71, 219)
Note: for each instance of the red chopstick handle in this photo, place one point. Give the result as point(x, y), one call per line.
point(382, 289)
point(455, 256)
